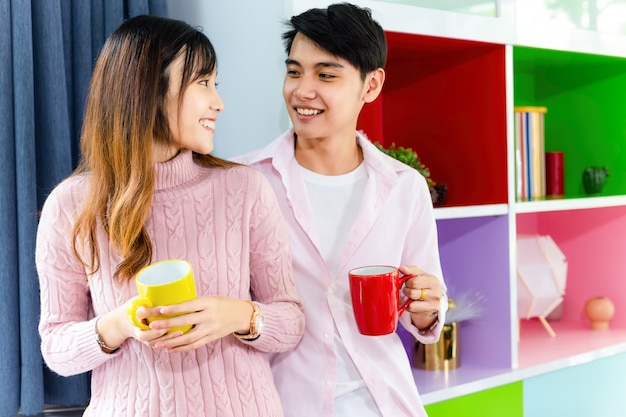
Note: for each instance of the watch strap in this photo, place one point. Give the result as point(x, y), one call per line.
point(103, 346)
point(253, 333)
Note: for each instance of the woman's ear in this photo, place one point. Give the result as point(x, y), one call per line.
point(373, 84)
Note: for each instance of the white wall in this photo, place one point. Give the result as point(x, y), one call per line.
point(246, 35)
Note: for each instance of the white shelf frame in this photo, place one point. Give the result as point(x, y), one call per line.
point(515, 375)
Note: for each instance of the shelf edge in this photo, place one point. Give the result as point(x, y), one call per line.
point(461, 212)
point(569, 204)
point(520, 374)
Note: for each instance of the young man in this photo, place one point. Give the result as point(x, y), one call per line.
point(347, 205)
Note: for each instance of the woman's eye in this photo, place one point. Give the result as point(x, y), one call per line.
point(207, 83)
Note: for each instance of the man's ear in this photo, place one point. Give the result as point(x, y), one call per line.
point(373, 84)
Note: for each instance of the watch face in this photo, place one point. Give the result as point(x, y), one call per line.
point(258, 324)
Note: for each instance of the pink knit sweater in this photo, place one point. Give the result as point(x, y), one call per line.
point(227, 224)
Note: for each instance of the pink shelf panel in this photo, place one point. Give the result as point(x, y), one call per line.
point(594, 242)
point(574, 342)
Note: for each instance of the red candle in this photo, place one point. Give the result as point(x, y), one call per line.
point(554, 174)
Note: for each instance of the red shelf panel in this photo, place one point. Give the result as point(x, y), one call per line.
point(446, 100)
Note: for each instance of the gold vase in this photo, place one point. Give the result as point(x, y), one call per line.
point(442, 355)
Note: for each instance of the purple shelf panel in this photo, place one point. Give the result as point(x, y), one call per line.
point(475, 260)
point(474, 255)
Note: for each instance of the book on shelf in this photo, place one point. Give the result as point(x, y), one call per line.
point(530, 167)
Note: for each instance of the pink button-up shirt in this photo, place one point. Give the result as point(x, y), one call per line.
point(394, 226)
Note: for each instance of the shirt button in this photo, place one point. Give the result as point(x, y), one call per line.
point(331, 291)
point(329, 383)
point(326, 336)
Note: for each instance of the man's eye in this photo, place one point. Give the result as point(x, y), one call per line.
point(327, 76)
point(292, 73)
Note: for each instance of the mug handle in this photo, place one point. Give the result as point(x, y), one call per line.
point(131, 312)
point(401, 281)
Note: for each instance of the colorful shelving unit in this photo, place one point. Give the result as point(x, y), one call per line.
point(451, 100)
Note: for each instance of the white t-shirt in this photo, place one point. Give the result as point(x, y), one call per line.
point(335, 201)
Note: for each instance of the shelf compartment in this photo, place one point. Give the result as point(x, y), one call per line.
point(585, 114)
point(474, 254)
point(593, 242)
point(446, 99)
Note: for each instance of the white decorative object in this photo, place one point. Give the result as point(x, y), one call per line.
point(541, 277)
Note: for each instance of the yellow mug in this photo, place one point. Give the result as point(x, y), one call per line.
point(161, 284)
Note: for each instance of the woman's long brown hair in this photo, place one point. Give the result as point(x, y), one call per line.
point(124, 117)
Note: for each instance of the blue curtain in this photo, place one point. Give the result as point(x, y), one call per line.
point(47, 51)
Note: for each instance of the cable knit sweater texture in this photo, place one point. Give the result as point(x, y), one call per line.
point(226, 223)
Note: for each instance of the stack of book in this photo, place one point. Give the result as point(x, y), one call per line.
point(530, 153)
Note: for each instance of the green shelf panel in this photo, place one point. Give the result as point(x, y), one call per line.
point(505, 400)
point(586, 116)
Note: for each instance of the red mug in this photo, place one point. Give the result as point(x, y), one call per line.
point(376, 299)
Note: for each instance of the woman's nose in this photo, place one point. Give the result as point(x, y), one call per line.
point(218, 104)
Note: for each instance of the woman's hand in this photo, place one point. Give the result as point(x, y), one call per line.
point(115, 327)
point(211, 317)
point(425, 291)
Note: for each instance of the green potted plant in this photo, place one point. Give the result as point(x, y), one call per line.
point(408, 156)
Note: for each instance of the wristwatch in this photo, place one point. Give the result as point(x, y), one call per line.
point(256, 324)
point(103, 346)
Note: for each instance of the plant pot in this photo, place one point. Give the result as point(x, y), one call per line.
point(442, 355)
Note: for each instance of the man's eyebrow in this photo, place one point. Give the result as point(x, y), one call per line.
point(324, 64)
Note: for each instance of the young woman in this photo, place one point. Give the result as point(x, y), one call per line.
point(147, 189)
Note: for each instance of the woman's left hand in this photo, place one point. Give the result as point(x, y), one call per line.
point(211, 317)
